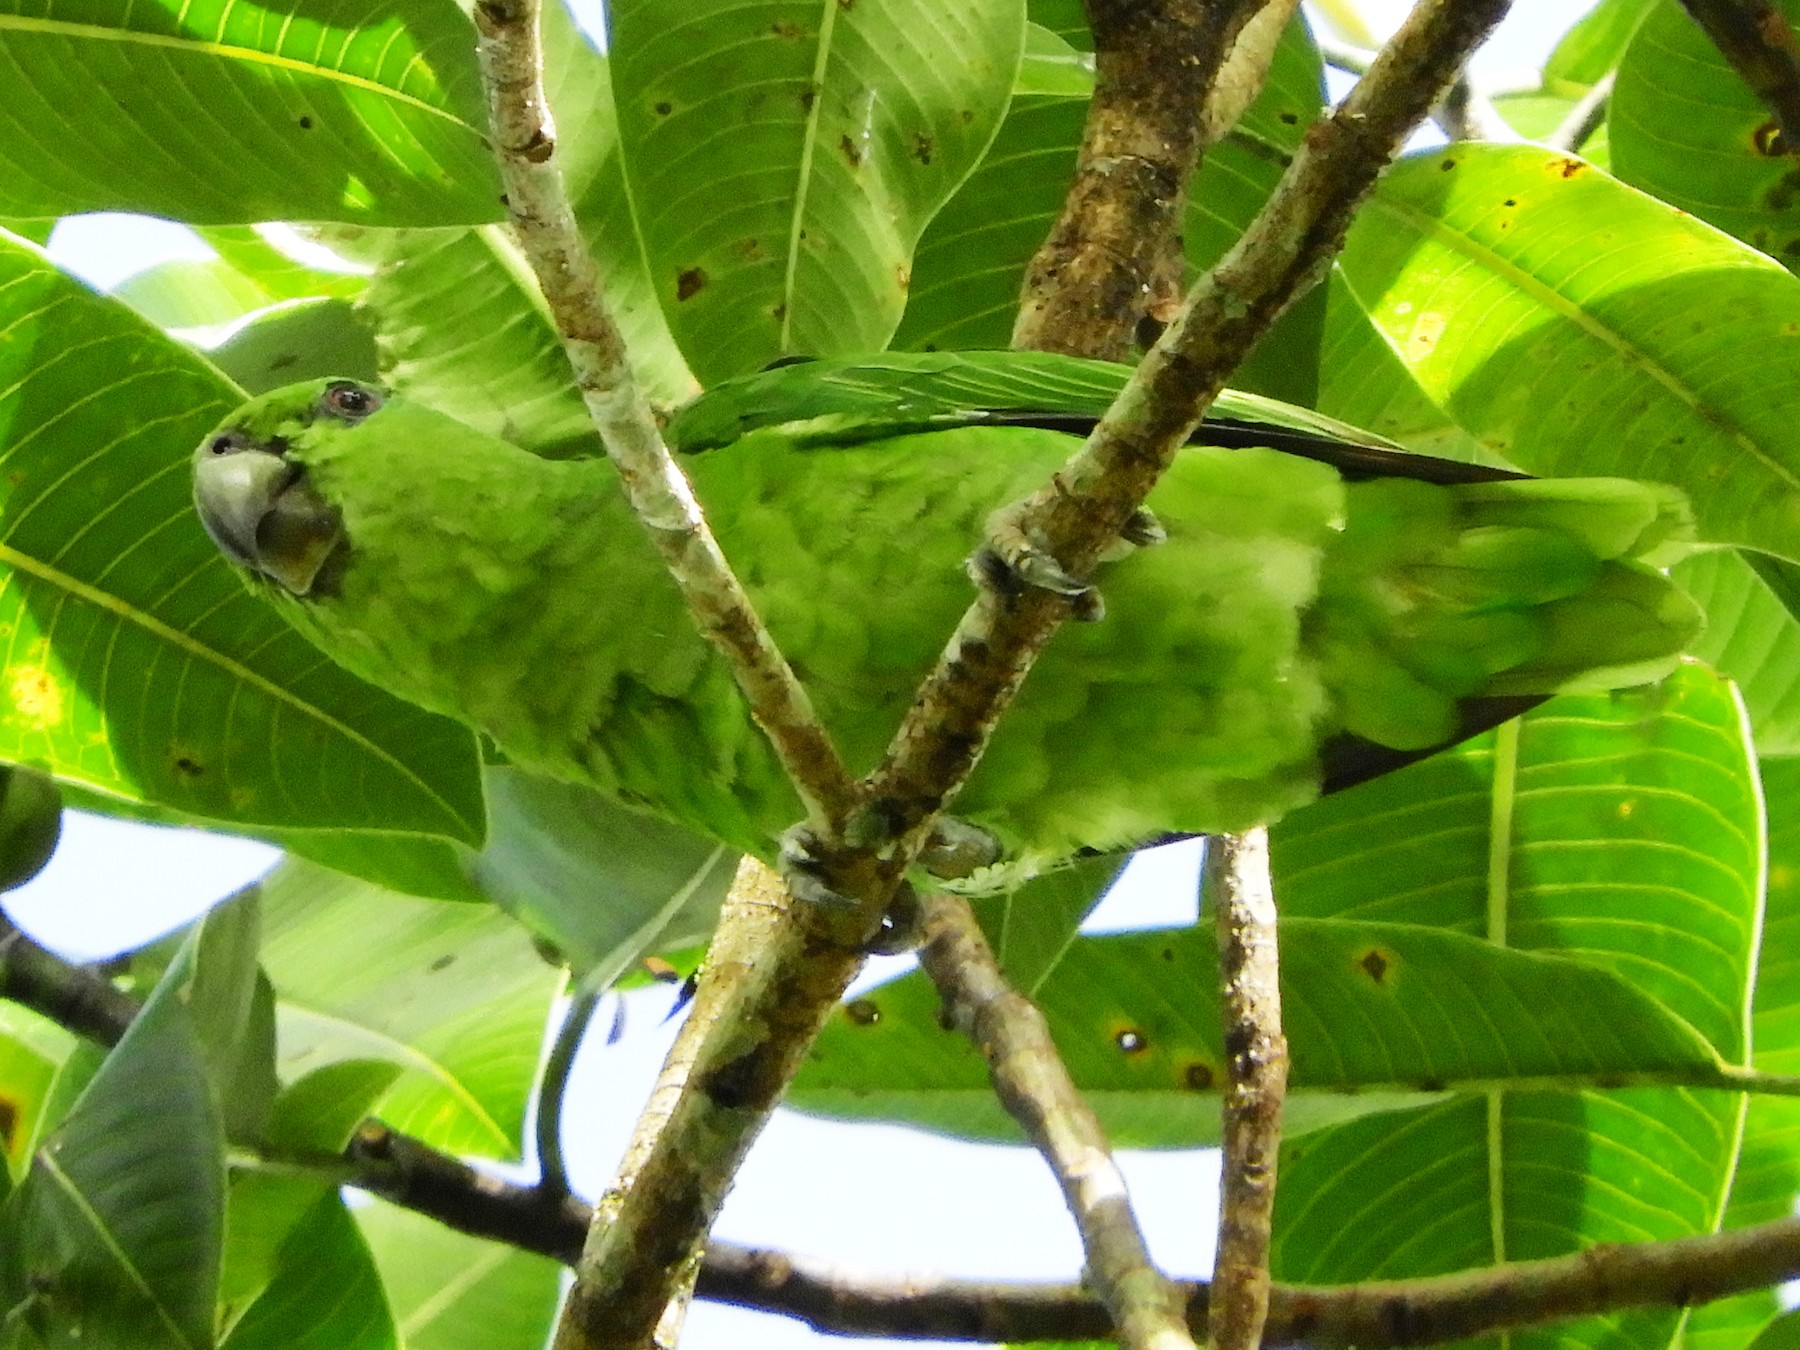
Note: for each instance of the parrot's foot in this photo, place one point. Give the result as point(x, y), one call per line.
point(1143, 529)
point(957, 849)
point(1013, 560)
point(1010, 564)
point(902, 927)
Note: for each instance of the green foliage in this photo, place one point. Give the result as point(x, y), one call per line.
point(1525, 978)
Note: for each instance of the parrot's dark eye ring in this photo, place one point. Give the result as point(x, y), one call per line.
point(352, 402)
point(224, 445)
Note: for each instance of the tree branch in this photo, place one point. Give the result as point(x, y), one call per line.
point(538, 207)
point(75, 997)
point(1584, 118)
point(1113, 256)
point(1031, 1082)
point(1756, 38)
point(1239, 889)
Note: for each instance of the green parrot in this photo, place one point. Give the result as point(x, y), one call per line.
point(1309, 607)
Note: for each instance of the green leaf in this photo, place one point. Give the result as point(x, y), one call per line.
point(1508, 1176)
point(1050, 66)
point(1366, 1006)
point(368, 111)
point(1781, 1334)
point(115, 1234)
point(452, 996)
point(1686, 127)
point(233, 1009)
point(1622, 828)
point(1031, 926)
point(601, 884)
point(784, 158)
point(186, 294)
point(134, 662)
point(42, 1069)
point(297, 340)
point(454, 1292)
point(325, 1293)
point(1752, 634)
point(1594, 45)
point(1577, 327)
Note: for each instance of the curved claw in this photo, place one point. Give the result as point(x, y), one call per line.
point(957, 849)
point(1143, 529)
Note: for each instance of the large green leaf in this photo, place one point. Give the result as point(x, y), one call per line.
point(132, 661)
point(454, 1292)
point(1575, 326)
point(428, 1014)
point(783, 158)
point(1685, 126)
point(218, 112)
point(115, 1235)
point(1624, 830)
point(1374, 1012)
point(43, 1067)
point(325, 1293)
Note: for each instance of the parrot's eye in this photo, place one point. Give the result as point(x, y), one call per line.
point(350, 401)
point(224, 445)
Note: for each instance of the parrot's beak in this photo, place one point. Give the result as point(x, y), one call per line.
point(261, 512)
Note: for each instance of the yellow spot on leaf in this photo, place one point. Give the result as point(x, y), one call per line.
point(1426, 331)
point(37, 697)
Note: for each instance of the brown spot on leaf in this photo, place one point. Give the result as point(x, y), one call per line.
point(902, 277)
point(785, 28)
point(306, 124)
point(1509, 202)
point(1198, 1076)
point(862, 1011)
point(779, 312)
point(690, 283)
point(1374, 965)
point(922, 148)
point(1431, 1085)
point(806, 99)
point(852, 151)
point(749, 248)
point(443, 962)
point(1768, 140)
point(1446, 166)
point(189, 767)
point(1291, 119)
point(9, 1124)
point(1568, 168)
point(664, 107)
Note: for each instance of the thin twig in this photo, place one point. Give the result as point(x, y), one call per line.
point(553, 1172)
point(1031, 1082)
point(1584, 118)
point(75, 997)
point(1466, 112)
point(660, 495)
point(1239, 889)
point(1756, 38)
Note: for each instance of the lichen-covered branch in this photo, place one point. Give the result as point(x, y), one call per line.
point(1256, 1059)
point(538, 207)
point(1115, 249)
point(1759, 42)
point(1031, 1082)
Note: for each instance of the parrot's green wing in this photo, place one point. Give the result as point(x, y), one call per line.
point(822, 403)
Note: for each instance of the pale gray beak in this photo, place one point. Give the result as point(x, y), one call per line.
point(263, 514)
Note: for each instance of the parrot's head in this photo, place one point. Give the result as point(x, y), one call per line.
point(252, 489)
